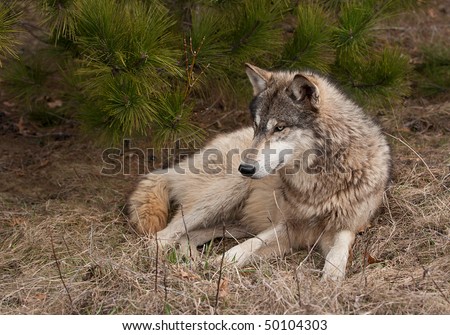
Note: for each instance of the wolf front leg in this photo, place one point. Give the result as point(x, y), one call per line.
point(214, 204)
point(270, 242)
point(189, 242)
point(337, 255)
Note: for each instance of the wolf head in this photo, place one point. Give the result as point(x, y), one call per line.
point(284, 108)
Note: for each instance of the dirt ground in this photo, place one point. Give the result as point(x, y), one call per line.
point(66, 246)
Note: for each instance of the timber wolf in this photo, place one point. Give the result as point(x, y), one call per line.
point(310, 172)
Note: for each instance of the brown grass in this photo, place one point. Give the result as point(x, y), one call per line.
point(66, 246)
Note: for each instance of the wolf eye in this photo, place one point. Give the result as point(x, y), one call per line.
point(279, 128)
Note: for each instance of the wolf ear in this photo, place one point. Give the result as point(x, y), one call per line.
point(303, 90)
point(258, 77)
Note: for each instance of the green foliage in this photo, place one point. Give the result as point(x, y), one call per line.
point(47, 91)
point(434, 72)
point(26, 79)
point(60, 17)
point(310, 46)
point(353, 34)
point(126, 56)
point(140, 67)
point(381, 80)
point(173, 121)
point(208, 39)
point(9, 17)
point(127, 36)
point(254, 30)
point(339, 38)
point(123, 108)
point(223, 48)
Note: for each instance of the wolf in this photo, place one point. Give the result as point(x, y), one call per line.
point(310, 172)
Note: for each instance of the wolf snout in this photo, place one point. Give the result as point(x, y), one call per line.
point(247, 170)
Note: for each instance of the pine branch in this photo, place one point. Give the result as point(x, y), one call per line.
point(190, 64)
point(310, 45)
point(60, 18)
point(255, 30)
point(134, 72)
point(243, 40)
point(379, 81)
point(9, 18)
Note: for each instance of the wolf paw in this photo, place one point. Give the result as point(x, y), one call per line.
point(186, 249)
point(238, 256)
point(163, 243)
point(332, 273)
point(166, 240)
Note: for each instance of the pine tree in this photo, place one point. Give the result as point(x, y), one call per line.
point(140, 67)
point(340, 39)
point(8, 20)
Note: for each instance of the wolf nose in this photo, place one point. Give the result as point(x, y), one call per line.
point(247, 170)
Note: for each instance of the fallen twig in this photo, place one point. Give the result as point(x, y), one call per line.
point(60, 273)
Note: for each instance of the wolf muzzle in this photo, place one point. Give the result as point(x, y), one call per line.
point(247, 170)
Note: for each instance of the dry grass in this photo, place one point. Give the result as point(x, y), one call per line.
point(66, 246)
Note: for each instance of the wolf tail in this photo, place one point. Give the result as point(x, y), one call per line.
point(148, 205)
